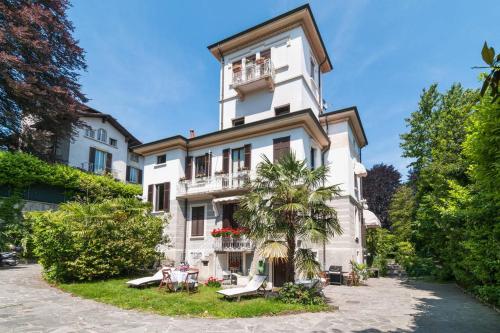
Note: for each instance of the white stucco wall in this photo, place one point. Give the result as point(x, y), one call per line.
point(290, 54)
point(80, 146)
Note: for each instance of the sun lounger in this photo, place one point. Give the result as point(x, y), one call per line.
point(252, 288)
point(156, 278)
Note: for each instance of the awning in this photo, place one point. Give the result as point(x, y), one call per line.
point(359, 169)
point(371, 220)
point(235, 198)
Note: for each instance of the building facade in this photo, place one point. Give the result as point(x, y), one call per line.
point(270, 103)
point(102, 145)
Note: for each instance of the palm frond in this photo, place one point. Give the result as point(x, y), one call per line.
point(306, 263)
point(273, 250)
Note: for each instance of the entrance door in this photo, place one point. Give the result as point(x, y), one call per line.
point(279, 273)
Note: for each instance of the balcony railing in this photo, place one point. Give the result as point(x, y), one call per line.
point(216, 183)
point(229, 244)
point(254, 76)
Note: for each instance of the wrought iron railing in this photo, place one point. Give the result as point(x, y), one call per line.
point(215, 183)
point(254, 71)
point(231, 244)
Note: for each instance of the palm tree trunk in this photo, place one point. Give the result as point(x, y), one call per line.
point(290, 264)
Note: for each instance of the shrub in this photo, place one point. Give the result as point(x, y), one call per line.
point(360, 271)
point(300, 294)
point(213, 282)
point(96, 240)
point(489, 294)
point(380, 263)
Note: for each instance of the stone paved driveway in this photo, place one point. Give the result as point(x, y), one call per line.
point(28, 304)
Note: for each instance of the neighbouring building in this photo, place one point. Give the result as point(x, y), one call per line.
point(270, 103)
point(101, 146)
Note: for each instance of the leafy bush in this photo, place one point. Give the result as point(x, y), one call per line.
point(20, 170)
point(380, 263)
point(213, 282)
point(96, 240)
point(489, 294)
point(300, 294)
point(360, 271)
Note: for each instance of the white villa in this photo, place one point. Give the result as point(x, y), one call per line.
point(102, 145)
point(271, 102)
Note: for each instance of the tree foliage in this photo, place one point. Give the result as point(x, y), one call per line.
point(455, 229)
point(40, 63)
point(492, 80)
point(378, 187)
point(287, 201)
point(88, 241)
point(19, 171)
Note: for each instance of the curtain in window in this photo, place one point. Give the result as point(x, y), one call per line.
point(100, 161)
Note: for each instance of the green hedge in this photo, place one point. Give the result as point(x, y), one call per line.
point(89, 241)
point(20, 171)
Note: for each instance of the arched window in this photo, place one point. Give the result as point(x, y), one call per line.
point(102, 135)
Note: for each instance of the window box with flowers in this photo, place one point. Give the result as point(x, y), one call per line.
point(229, 232)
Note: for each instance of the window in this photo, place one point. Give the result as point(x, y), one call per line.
point(356, 188)
point(197, 221)
point(238, 121)
point(160, 159)
point(160, 197)
point(312, 69)
point(281, 147)
point(265, 54)
point(102, 135)
point(282, 110)
point(89, 132)
point(201, 166)
point(134, 157)
point(113, 142)
point(238, 158)
point(134, 175)
point(313, 158)
point(100, 161)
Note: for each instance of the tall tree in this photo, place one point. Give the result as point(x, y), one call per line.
point(286, 201)
point(378, 187)
point(416, 142)
point(40, 63)
point(402, 212)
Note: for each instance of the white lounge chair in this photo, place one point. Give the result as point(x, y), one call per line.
point(252, 288)
point(156, 278)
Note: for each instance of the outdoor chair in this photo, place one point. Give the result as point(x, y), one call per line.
point(167, 279)
point(324, 278)
point(141, 282)
point(191, 282)
point(254, 287)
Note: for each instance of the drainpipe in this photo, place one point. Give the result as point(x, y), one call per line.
point(185, 218)
point(221, 90)
point(323, 152)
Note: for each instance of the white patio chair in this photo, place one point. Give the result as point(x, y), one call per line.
point(253, 287)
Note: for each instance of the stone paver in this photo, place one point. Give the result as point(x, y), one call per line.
point(27, 304)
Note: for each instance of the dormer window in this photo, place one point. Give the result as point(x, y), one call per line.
point(102, 135)
point(238, 121)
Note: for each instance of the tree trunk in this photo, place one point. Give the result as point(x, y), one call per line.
point(290, 264)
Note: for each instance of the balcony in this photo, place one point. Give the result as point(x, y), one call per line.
point(214, 184)
point(229, 244)
point(254, 76)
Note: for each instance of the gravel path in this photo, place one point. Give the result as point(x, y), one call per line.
point(27, 304)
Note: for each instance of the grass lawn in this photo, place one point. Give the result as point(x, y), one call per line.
point(205, 303)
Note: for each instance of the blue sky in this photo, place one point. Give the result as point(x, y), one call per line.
point(148, 64)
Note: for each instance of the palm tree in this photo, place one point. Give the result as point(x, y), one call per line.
point(285, 202)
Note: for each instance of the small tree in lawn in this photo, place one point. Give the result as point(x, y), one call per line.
point(285, 202)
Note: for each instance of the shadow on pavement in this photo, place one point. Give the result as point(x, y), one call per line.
point(448, 310)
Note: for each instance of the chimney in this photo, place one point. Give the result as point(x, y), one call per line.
point(192, 134)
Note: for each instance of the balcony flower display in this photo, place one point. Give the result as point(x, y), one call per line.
point(228, 232)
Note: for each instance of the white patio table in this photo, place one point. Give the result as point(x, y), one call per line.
point(177, 278)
